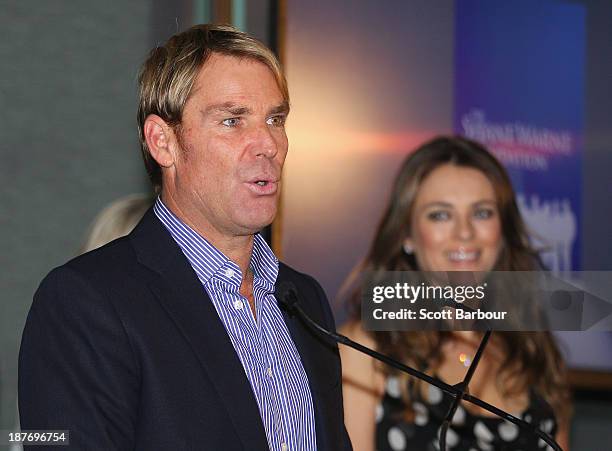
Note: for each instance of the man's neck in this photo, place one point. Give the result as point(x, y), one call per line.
point(238, 248)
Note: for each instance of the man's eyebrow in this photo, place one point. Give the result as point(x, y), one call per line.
point(226, 107)
point(282, 108)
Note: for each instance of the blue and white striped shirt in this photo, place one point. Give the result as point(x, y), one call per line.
point(268, 355)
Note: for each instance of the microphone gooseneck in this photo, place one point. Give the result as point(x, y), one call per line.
point(287, 297)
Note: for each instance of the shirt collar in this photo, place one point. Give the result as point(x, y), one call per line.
point(264, 263)
point(209, 262)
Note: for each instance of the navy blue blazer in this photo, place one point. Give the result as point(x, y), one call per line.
point(123, 347)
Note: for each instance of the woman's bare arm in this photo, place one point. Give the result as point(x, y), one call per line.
point(362, 388)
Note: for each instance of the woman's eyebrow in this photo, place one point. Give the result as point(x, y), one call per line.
point(484, 201)
point(437, 203)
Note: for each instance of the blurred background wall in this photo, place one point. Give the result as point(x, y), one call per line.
point(368, 81)
point(68, 147)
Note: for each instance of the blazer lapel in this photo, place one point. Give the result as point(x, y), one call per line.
point(307, 344)
point(181, 294)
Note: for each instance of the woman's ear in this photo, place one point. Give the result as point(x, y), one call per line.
point(408, 246)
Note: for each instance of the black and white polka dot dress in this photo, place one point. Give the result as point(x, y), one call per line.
point(467, 432)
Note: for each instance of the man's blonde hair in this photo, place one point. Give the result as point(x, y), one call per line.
point(168, 75)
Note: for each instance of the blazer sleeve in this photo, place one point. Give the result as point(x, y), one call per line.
point(77, 370)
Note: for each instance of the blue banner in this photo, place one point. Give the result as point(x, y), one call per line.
point(519, 90)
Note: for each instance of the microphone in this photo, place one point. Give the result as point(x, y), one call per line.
point(288, 299)
point(286, 296)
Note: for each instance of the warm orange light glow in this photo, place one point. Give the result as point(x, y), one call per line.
point(355, 116)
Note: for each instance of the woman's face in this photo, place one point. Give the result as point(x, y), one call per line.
point(455, 223)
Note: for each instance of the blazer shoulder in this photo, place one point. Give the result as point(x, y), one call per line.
point(91, 279)
point(93, 269)
point(309, 289)
point(116, 254)
point(286, 272)
point(304, 283)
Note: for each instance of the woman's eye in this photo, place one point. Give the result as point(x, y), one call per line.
point(438, 215)
point(484, 213)
point(231, 122)
point(276, 121)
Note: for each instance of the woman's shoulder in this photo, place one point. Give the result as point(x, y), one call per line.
point(539, 410)
point(353, 329)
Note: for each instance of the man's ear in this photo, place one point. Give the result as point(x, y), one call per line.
point(160, 140)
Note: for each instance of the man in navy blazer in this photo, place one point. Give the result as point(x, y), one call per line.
point(144, 344)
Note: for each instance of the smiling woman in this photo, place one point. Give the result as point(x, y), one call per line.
point(455, 223)
point(452, 208)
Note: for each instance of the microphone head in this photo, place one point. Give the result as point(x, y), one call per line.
point(286, 295)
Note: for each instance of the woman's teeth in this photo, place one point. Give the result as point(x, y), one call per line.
point(462, 256)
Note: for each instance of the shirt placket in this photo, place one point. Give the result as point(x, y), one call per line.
point(253, 341)
point(282, 389)
point(274, 367)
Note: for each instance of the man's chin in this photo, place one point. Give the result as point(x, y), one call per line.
point(254, 225)
point(253, 215)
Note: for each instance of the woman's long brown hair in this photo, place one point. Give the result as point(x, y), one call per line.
point(531, 359)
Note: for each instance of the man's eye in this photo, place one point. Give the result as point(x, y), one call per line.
point(484, 213)
point(231, 122)
point(277, 121)
point(438, 215)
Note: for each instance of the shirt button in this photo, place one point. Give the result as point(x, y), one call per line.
point(229, 273)
point(270, 371)
point(238, 305)
point(284, 447)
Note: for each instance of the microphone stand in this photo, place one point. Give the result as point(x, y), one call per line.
point(463, 386)
point(287, 297)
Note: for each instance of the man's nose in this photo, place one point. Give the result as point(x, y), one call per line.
point(265, 144)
